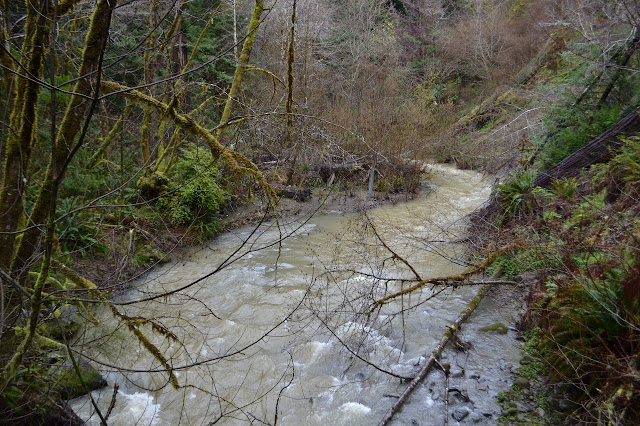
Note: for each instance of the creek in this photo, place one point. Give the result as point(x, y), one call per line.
point(268, 332)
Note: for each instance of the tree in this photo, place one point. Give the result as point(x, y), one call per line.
point(54, 124)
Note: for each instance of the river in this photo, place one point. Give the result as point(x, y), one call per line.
point(286, 325)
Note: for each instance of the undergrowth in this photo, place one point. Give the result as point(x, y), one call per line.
point(583, 243)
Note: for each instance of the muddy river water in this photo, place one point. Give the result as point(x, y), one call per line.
point(284, 334)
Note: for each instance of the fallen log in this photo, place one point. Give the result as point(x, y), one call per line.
point(448, 335)
point(552, 45)
point(599, 150)
point(298, 194)
point(486, 111)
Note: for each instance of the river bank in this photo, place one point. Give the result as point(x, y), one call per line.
point(136, 244)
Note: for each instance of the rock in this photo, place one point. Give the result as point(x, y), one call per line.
point(522, 408)
point(460, 395)
point(498, 328)
point(522, 383)
point(565, 405)
point(511, 411)
point(64, 323)
point(460, 413)
point(487, 414)
point(541, 413)
point(298, 194)
point(66, 382)
point(57, 414)
point(474, 375)
point(457, 373)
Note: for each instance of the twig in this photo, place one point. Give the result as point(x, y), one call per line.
point(14, 283)
point(452, 279)
point(293, 375)
point(389, 249)
point(113, 401)
point(446, 397)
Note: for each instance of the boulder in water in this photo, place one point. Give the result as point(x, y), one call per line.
point(67, 382)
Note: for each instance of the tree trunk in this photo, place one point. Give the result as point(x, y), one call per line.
point(629, 50)
point(69, 128)
point(240, 69)
point(24, 118)
point(6, 74)
point(149, 74)
point(598, 150)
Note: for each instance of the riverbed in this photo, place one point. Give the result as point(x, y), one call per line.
point(276, 324)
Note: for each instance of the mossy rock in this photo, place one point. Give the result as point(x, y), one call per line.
point(153, 186)
point(522, 383)
point(147, 255)
point(498, 328)
point(67, 384)
point(66, 322)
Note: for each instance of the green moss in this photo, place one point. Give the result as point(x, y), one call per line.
point(69, 384)
point(153, 186)
point(499, 328)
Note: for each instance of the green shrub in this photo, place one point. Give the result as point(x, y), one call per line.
point(565, 188)
point(591, 341)
point(588, 210)
point(626, 163)
point(526, 260)
point(196, 195)
point(518, 193)
point(77, 229)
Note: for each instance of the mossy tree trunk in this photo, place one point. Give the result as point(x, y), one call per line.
point(289, 105)
point(149, 74)
point(6, 73)
point(24, 118)
point(66, 144)
point(241, 69)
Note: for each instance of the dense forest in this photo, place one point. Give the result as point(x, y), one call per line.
point(132, 129)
